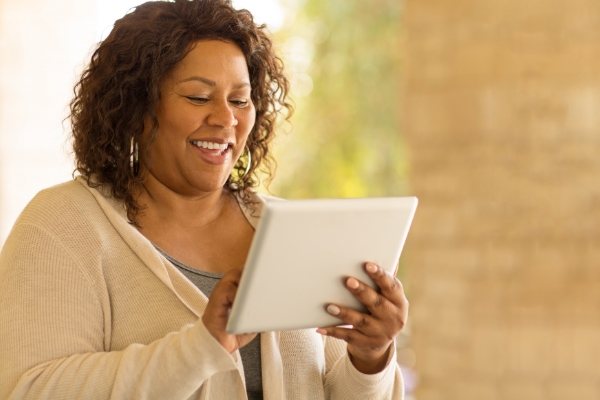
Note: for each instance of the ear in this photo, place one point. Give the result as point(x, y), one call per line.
point(149, 124)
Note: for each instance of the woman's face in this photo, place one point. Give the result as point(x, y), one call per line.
point(205, 115)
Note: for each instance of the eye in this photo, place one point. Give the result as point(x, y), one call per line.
point(239, 103)
point(198, 100)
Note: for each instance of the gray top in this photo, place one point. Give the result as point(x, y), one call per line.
point(206, 281)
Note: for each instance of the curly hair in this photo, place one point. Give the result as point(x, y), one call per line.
point(119, 90)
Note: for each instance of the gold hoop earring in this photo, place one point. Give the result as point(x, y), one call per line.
point(249, 161)
point(134, 161)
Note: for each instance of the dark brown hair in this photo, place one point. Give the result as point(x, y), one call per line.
point(119, 89)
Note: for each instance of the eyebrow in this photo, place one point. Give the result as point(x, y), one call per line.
point(213, 83)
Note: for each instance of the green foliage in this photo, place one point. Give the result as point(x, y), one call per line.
point(346, 139)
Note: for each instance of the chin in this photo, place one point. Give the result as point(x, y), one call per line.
point(210, 185)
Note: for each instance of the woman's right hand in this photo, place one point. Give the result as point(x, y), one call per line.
point(217, 312)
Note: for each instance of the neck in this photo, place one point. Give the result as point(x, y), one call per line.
point(162, 203)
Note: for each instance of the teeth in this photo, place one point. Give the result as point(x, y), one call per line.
point(210, 145)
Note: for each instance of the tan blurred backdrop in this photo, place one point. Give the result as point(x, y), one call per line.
point(502, 119)
point(501, 124)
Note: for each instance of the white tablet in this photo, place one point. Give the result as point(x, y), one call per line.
point(302, 252)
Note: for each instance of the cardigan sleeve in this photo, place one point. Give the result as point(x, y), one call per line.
point(52, 334)
point(344, 381)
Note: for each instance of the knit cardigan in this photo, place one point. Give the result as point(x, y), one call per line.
point(90, 310)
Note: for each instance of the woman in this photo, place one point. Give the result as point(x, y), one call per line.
point(107, 283)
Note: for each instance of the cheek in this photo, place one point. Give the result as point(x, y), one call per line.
point(176, 119)
point(248, 120)
point(180, 123)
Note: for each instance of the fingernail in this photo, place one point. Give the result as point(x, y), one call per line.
point(372, 268)
point(352, 283)
point(333, 309)
point(322, 331)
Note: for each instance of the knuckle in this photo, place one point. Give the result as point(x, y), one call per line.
point(385, 338)
point(379, 344)
point(401, 321)
point(379, 301)
point(401, 324)
point(400, 285)
point(388, 339)
point(363, 322)
point(349, 336)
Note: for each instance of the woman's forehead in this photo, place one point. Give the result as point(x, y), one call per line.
point(212, 62)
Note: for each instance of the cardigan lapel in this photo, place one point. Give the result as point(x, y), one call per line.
point(187, 292)
point(272, 364)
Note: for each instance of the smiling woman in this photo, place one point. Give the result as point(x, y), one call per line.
point(164, 45)
point(206, 99)
point(205, 115)
point(118, 284)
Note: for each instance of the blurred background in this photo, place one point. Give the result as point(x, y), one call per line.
point(487, 110)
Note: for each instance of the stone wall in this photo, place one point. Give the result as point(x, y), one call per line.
point(502, 118)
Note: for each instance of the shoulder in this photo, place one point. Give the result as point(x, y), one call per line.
point(58, 203)
point(268, 199)
point(252, 204)
point(69, 213)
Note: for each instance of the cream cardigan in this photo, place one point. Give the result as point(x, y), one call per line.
point(90, 310)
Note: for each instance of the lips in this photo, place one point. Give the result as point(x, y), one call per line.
point(209, 145)
point(214, 152)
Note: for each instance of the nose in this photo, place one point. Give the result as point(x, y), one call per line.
point(222, 115)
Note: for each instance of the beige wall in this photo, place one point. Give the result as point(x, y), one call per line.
point(42, 47)
point(502, 116)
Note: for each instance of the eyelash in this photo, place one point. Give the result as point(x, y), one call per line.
point(204, 100)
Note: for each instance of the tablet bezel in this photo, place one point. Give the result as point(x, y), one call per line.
point(312, 223)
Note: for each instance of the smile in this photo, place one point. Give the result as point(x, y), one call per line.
point(211, 152)
point(210, 145)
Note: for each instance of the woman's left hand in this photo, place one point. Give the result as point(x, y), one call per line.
point(370, 338)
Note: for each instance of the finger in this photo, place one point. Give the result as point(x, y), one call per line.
point(390, 287)
point(348, 335)
point(359, 321)
point(374, 301)
point(230, 280)
point(233, 276)
point(223, 295)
